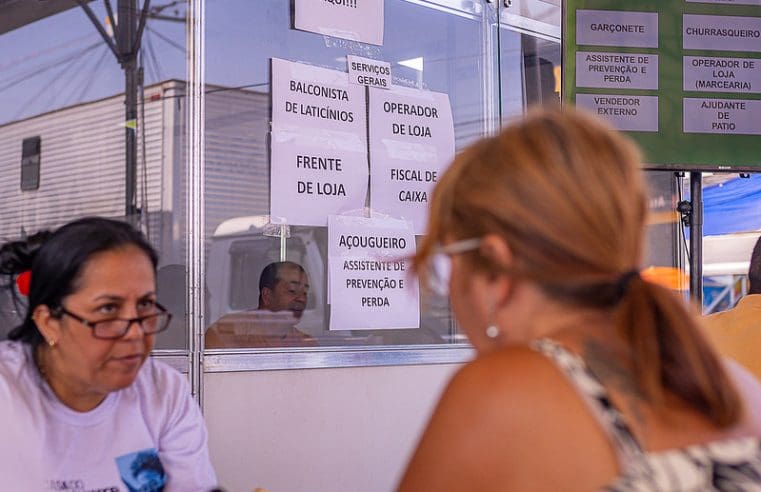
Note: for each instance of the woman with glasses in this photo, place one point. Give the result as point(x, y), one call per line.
point(587, 376)
point(77, 386)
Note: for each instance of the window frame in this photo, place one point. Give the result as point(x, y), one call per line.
point(266, 359)
point(31, 161)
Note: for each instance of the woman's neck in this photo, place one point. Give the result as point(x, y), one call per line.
point(532, 315)
point(75, 396)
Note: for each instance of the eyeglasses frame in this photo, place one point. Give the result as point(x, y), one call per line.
point(447, 251)
point(60, 310)
point(459, 247)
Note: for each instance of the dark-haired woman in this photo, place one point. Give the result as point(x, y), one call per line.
point(77, 386)
point(587, 376)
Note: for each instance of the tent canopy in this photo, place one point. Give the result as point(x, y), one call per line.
point(732, 206)
point(18, 13)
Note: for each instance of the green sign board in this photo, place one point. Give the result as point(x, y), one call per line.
point(681, 77)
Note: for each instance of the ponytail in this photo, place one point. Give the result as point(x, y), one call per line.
point(670, 354)
point(18, 256)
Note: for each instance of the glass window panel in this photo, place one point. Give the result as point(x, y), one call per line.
point(664, 247)
point(448, 56)
point(60, 82)
point(731, 228)
point(529, 72)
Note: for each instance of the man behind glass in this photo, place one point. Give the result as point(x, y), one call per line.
point(283, 291)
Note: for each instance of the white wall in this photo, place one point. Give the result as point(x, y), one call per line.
point(332, 430)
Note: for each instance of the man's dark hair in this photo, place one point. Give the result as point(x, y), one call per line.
point(754, 272)
point(271, 274)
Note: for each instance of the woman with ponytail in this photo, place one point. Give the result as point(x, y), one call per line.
point(82, 406)
point(587, 376)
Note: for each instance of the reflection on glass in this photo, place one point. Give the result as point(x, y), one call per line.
point(663, 259)
point(448, 56)
point(529, 71)
point(283, 294)
point(63, 129)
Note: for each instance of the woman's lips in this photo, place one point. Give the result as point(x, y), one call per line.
point(129, 360)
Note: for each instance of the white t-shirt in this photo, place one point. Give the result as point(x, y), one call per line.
point(142, 438)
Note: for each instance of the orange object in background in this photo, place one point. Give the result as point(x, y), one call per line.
point(669, 277)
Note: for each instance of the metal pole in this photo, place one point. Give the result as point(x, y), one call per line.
point(128, 30)
point(696, 237)
point(195, 97)
point(125, 41)
point(283, 241)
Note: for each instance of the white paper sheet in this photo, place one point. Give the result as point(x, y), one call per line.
point(358, 20)
point(369, 282)
point(617, 28)
point(318, 142)
point(411, 143)
point(369, 72)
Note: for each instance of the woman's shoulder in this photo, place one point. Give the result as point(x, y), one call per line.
point(156, 373)
point(516, 385)
point(13, 351)
point(14, 358)
point(161, 393)
point(159, 382)
point(514, 406)
point(514, 370)
point(19, 379)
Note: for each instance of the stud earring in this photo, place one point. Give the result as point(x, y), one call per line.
point(492, 331)
point(52, 343)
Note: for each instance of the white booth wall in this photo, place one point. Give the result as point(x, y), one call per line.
point(342, 429)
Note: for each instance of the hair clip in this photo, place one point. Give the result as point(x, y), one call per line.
point(23, 281)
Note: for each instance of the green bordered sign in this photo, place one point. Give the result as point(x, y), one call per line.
point(681, 77)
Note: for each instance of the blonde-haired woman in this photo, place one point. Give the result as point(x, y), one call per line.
point(587, 376)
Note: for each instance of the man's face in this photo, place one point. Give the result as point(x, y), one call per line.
point(290, 292)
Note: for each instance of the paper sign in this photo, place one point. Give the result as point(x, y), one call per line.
point(617, 28)
point(683, 77)
point(372, 73)
point(722, 33)
point(357, 20)
point(735, 116)
point(411, 143)
point(627, 113)
point(616, 70)
point(369, 282)
point(711, 74)
point(319, 144)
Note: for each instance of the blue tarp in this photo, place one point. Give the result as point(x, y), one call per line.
point(732, 206)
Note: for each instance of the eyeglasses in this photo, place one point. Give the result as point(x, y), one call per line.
point(113, 328)
point(440, 264)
